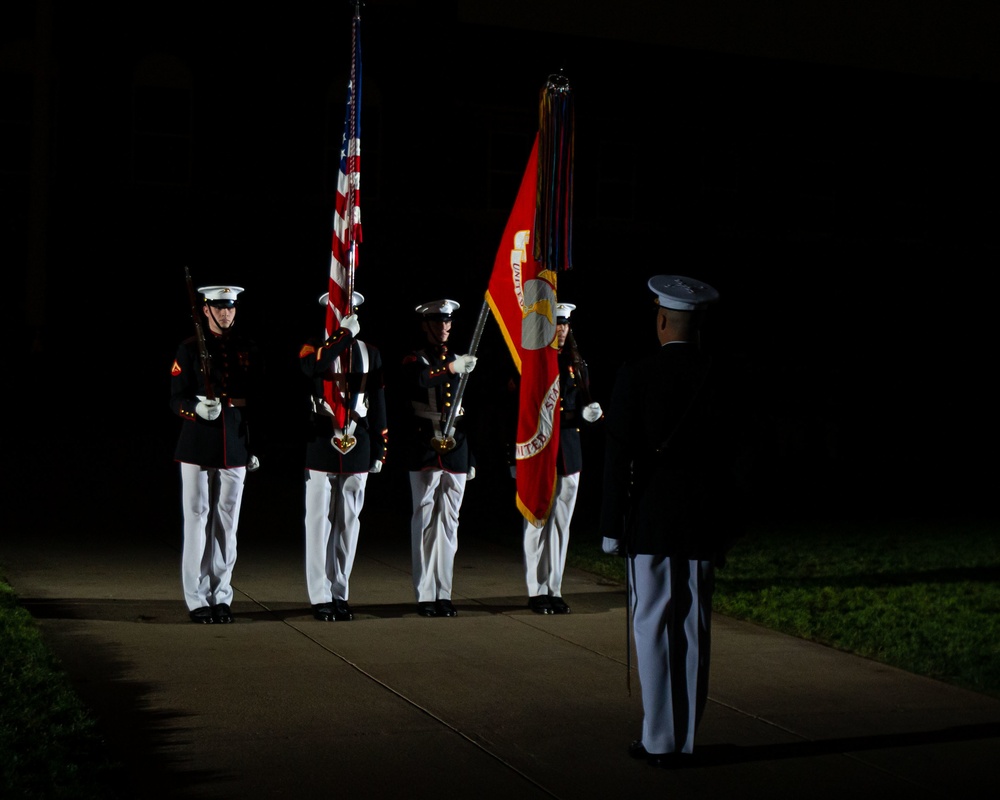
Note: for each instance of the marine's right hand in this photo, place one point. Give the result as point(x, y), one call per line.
point(592, 412)
point(208, 409)
point(611, 547)
point(465, 363)
point(350, 322)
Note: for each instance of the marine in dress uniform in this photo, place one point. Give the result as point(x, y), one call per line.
point(339, 460)
point(663, 492)
point(430, 376)
point(545, 547)
point(213, 451)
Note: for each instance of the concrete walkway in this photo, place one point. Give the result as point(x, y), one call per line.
point(495, 703)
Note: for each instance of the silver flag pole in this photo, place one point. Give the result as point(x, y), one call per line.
point(448, 421)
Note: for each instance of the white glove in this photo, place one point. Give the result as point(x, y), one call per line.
point(611, 547)
point(592, 412)
point(253, 464)
point(208, 409)
point(465, 363)
point(472, 473)
point(376, 468)
point(513, 471)
point(351, 323)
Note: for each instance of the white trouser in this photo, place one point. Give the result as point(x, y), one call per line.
point(333, 506)
point(210, 499)
point(672, 624)
point(437, 499)
point(545, 547)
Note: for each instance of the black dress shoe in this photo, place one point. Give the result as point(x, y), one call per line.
point(323, 612)
point(222, 613)
point(444, 608)
point(202, 615)
point(662, 760)
point(341, 611)
point(670, 760)
point(541, 604)
point(637, 750)
point(427, 609)
point(558, 605)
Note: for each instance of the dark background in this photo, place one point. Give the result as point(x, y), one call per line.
point(832, 172)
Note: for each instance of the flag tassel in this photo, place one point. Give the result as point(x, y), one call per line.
point(553, 229)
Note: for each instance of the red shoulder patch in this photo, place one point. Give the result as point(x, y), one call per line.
point(175, 370)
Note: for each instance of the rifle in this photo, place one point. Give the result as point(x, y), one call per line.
point(199, 333)
point(580, 368)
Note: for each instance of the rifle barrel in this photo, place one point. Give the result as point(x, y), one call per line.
point(199, 333)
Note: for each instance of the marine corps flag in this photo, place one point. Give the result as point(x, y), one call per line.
point(522, 297)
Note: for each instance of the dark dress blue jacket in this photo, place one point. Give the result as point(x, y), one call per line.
point(366, 392)
point(429, 385)
point(669, 480)
point(235, 378)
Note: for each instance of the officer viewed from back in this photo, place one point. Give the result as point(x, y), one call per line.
point(213, 449)
point(439, 460)
point(339, 458)
point(666, 487)
point(545, 548)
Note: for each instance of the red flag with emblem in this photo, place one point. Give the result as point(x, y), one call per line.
point(522, 297)
point(536, 244)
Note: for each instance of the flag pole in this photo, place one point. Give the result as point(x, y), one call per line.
point(447, 440)
point(352, 243)
point(347, 234)
point(352, 153)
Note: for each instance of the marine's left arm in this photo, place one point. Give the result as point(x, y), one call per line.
point(617, 462)
point(378, 426)
point(185, 383)
point(592, 412)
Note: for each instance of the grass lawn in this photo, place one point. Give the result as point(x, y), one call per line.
point(49, 747)
point(922, 596)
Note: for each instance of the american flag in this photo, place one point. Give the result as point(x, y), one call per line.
point(347, 214)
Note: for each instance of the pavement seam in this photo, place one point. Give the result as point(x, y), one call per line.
point(413, 704)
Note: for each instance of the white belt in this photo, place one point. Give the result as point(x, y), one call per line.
point(359, 400)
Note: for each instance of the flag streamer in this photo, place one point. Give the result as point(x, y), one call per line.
point(554, 193)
